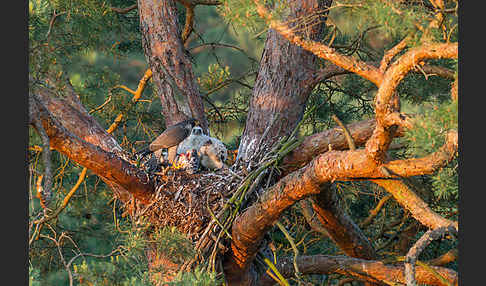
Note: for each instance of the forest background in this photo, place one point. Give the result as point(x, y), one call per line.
point(99, 50)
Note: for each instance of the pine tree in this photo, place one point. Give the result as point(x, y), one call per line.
point(341, 118)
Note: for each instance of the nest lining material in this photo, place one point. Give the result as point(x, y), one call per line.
point(182, 200)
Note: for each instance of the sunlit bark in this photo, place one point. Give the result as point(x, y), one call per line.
point(283, 84)
point(366, 270)
point(104, 163)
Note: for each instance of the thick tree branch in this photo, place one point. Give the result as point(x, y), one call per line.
point(445, 258)
point(428, 164)
point(385, 100)
point(318, 143)
point(439, 71)
point(311, 218)
point(366, 270)
point(358, 67)
point(78, 121)
point(105, 164)
point(249, 227)
point(414, 204)
point(341, 228)
point(391, 53)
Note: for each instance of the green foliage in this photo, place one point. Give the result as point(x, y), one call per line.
point(198, 277)
point(427, 136)
point(242, 13)
point(34, 276)
point(173, 244)
point(98, 49)
point(215, 76)
point(113, 272)
point(431, 126)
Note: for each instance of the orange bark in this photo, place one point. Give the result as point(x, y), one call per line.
point(103, 163)
point(366, 270)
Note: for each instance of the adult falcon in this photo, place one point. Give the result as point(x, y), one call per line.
point(170, 139)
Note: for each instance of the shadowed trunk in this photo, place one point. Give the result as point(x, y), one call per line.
point(169, 61)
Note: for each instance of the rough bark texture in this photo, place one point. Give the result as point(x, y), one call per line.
point(321, 142)
point(248, 229)
point(106, 164)
point(367, 270)
point(282, 85)
point(172, 70)
point(341, 228)
point(76, 119)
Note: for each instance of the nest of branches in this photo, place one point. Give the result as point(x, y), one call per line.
point(187, 201)
point(203, 206)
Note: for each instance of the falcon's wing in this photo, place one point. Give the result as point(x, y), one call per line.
point(170, 137)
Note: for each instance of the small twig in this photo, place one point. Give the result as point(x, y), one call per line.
point(46, 191)
point(51, 23)
point(66, 199)
point(374, 212)
point(294, 248)
point(348, 136)
point(123, 10)
point(188, 26)
point(101, 106)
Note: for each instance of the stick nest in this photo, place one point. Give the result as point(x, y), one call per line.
point(183, 200)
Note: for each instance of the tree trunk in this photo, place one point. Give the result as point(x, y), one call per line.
point(169, 61)
point(282, 85)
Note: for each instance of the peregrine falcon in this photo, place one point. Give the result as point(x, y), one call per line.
point(170, 139)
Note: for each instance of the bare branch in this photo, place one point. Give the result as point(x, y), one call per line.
point(439, 71)
point(374, 212)
point(311, 218)
point(319, 143)
point(46, 190)
point(188, 26)
point(390, 54)
point(365, 270)
point(105, 164)
point(418, 247)
point(445, 258)
point(454, 88)
point(361, 68)
point(341, 228)
point(428, 164)
point(386, 98)
point(123, 10)
point(414, 204)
